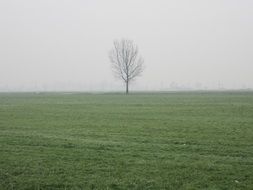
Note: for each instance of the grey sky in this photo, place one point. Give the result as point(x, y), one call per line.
point(64, 45)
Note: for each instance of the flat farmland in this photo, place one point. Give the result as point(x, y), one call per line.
point(177, 140)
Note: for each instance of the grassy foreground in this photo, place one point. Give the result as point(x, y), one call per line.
point(111, 141)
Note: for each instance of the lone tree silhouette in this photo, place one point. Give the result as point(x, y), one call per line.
point(127, 64)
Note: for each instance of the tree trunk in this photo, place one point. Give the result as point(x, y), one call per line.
point(126, 87)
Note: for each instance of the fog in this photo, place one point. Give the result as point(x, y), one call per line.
point(63, 45)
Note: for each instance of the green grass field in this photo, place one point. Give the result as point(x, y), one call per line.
point(186, 140)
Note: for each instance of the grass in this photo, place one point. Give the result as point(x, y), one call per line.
point(187, 140)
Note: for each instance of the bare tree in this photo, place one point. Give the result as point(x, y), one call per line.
point(127, 64)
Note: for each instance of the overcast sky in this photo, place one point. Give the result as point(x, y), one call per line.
point(64, 44)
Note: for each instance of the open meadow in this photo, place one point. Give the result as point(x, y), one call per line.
point(177, 140)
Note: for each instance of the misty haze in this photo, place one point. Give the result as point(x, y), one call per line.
point(63, 45)
point(144, 94)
